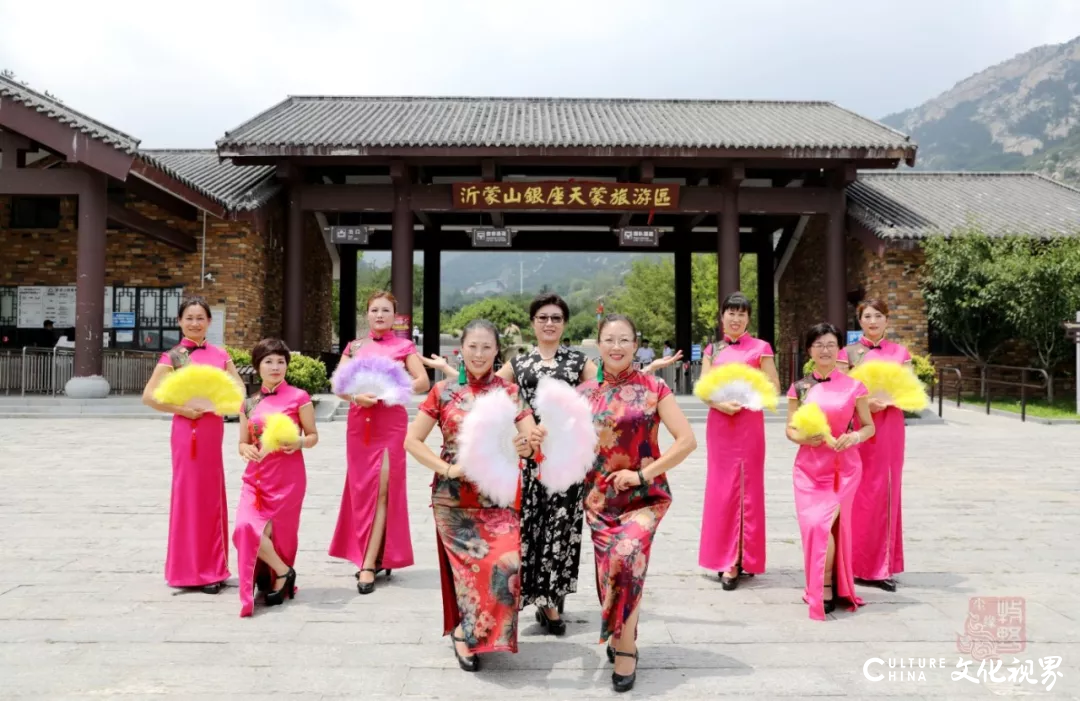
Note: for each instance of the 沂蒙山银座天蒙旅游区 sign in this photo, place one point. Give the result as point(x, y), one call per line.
point(566, 195)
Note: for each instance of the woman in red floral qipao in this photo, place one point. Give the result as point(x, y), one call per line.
point(479, 543)
point(626, 493)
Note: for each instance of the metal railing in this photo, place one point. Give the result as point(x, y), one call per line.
point(939, 387)
point(46, 371)
point(1022, 384)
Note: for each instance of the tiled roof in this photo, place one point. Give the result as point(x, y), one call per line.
point(237, 188)
point(347, 125)
point(911, 205)
point(54, 109)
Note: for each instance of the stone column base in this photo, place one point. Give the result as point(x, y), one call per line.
point(96, 387)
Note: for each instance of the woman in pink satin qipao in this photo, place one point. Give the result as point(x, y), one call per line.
point(878, 532)
point(373, 524)
point(733, 518)
point(268, 516)
point(198, 554)
point(827, 477)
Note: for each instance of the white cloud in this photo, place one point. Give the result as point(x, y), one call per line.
point(181, 77)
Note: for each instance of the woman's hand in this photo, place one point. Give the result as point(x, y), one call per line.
point(250, 453)
point(189, 413)
point(661, 363)
point(730, 408)
point(365, 400)
point(846, 441)
point(537, 436)
point(624, 479)
point(523, 446)
point(877, 405)
point(290, 448)
point(454, 472)
point(437, 362)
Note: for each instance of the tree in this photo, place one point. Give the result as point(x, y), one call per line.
point(1043, 279)
point(966, 293)
point(499, 311)
point(581, 326)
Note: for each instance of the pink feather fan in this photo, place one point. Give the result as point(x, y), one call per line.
point(486, 447)
point(569, 449)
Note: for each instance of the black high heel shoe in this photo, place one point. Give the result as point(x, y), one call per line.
point(830, 604)
point(366, 587)
point(623, 682)
point(555, 626)
point(277, 597)
point(728, 583)
point(470, 663)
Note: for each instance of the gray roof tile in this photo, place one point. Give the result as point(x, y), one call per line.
point(912, 205)
point(344, 125)
point(65, 115)
point(237, 188)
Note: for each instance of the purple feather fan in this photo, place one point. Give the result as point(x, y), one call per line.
point(382, 377)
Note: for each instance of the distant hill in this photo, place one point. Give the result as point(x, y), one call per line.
point(1022, 114)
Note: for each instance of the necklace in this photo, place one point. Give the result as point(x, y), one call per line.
point(547, 360)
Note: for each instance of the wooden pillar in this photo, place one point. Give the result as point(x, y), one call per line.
point(836, 267)
point(347, 293)
point(401, 247)
point(766, 311)
point(293, 307)
point(727, 234)
point(90, 292)
point(432, 282)
point(683, 293)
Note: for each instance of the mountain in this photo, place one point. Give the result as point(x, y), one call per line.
point(468, 275)
point(1022, 114)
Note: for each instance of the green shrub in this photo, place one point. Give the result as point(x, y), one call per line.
point(307, 373)
point(240, 358)
point(924, 370)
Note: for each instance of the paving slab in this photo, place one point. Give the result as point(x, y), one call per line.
point(991, 509)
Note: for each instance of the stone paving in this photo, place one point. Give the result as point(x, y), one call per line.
point(992, 509)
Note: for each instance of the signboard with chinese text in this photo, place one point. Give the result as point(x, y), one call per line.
point(854, 337)
point(566, 195)
point(491, 238)
point(123, 320)
point(350, 234)
point(645, 236)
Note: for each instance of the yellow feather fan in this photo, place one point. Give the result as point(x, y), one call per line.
point(201, 387)
point(894, 383)
point(278, 431)
point(738, 382)
point(809, 420)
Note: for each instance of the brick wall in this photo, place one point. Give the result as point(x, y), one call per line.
point(245, 259)
point(893, 277)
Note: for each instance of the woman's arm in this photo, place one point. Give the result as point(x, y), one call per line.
point(685, 443)
point(661, 363)
point(588, 372)
point(415, 366)
point(507, 372)
point(414, 443)
point(862, 408)
point(768, 366)
point(247, 450)
point(148, 396)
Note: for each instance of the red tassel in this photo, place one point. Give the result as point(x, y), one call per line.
point(367, 430)
point(836, 480)
point(193, 442)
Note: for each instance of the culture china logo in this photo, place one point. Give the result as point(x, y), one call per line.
point(994, 627)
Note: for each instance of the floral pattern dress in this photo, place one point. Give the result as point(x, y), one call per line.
point(624, 523)
point(479, 543)
point(550, 524)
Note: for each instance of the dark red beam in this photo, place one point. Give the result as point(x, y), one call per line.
point(131, 219)
point(73, 144)
point(692, 200)
point(23, 181)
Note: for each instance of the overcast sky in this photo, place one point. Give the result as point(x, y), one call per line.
point(181, 74)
